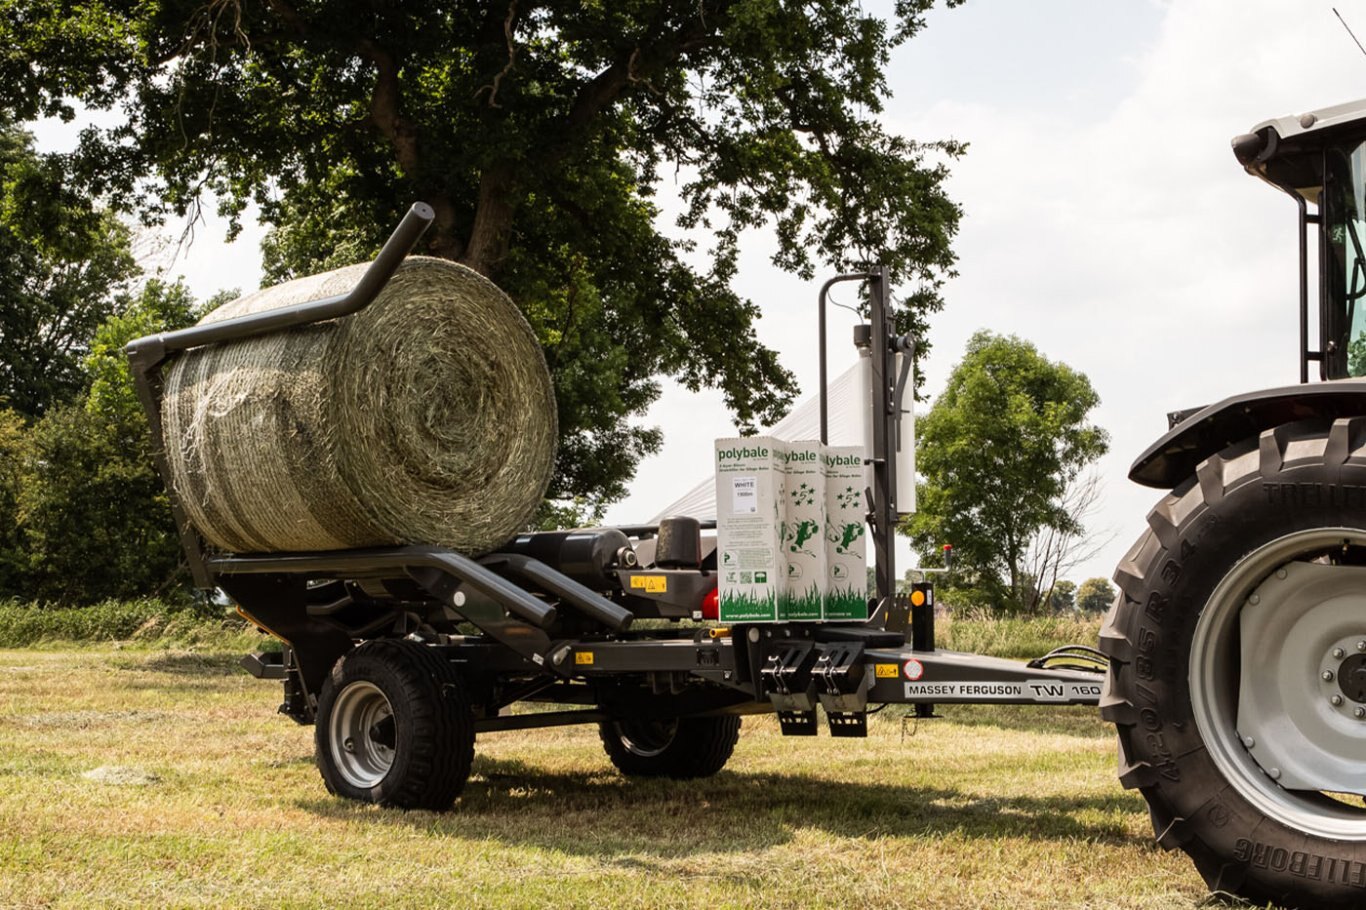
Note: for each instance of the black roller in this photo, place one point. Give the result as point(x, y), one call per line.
point(680, 543)
point(585, 555)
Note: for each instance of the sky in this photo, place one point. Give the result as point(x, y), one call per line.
point(1105, 219)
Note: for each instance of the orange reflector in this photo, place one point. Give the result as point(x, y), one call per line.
point(918, 598)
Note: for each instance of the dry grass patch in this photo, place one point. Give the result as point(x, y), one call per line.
point(988, 807)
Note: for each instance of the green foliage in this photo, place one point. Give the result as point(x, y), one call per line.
point(1063, 597)
point(159, 307)
point(540, 133)
point(63, 265)
point(1015, 637)
point(997, 452)
point(13, 561)
point(145, 620)
point(93, 514)
point(555, 515)
point(1095, 595)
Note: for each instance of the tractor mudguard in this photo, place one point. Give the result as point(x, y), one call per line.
point(1197, 434)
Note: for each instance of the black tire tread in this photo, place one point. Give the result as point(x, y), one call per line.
point(442, 736)
point(700, 748)
point(1214, 481)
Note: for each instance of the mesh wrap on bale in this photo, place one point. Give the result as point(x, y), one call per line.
point(425, 418)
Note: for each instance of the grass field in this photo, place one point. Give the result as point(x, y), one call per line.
point(137, 777)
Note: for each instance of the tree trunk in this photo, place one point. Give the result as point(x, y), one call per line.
point(488, 240)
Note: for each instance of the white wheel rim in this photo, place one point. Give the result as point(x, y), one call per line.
point(360, 735)
point(1217, 683)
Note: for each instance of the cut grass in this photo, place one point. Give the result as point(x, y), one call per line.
point(988, 807)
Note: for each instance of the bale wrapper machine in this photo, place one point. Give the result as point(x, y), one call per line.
point(400, 656)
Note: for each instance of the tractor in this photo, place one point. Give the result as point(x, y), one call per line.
point(1237, 642)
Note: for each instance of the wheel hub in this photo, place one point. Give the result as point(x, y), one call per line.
point(1351, 676)
point(1302, 692)
point(361, 734)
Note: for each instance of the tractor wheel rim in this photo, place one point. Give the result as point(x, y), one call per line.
point(360, 735)
point(1260, 704)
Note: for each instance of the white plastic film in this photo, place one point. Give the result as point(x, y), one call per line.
point(905, 453)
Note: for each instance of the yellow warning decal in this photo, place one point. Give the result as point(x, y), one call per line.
point(583, 658)
point(887, 671)
point(652, 584)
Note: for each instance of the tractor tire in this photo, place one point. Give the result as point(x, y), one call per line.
point(394, 727)
point(682, 748)
point(1235, 679)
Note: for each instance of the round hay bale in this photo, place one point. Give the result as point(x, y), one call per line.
point(426, 418)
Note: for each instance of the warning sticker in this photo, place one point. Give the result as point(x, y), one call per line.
point(583, 658)
point(885, 671)
point(650, 584)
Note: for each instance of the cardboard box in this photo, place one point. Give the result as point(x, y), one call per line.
point(791, 531)
point(802, 596)
point(845, 538)
point(749, 497)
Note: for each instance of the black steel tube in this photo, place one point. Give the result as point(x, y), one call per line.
point(1304, 287)
point(354, 563)
point(396, 248)
point(565, 588)
point(539, 720)
point(884, 436)
point(825, 291)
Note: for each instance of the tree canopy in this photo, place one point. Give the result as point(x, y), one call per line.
point(63, 264)
point(541, 133)
point(1000, 451)
point(83, 513)
point(1095, 595)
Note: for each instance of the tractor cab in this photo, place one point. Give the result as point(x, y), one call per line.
point(1319, 158)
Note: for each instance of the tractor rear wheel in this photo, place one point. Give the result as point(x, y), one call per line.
point(1237, 683)
point(682, 748)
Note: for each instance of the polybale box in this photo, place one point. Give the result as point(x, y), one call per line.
point(749, 499)
point(802, 532)
point(845, 539)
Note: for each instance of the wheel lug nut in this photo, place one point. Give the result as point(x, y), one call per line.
point(1274, 773)
point(1336, 700)
point(1254, 599)
point(1338, 653)
point(1361, 645)
point(1327, 675)
point(1249, 741)
point(1360, 712)
point(1280, 573)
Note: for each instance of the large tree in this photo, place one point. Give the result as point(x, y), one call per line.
point(63, 264)
point(999, 451)
point(540, 132)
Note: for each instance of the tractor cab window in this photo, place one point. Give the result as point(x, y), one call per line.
point(1344, 210)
